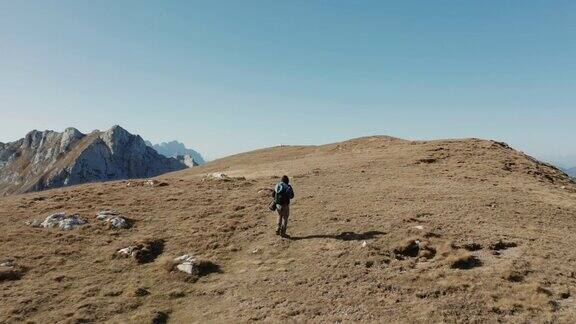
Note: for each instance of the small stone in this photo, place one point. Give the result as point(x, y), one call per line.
point(151, 183)
point(364, 244)
point(7, 264)
point(141, 292)
point(419, 227)
point(34, 223)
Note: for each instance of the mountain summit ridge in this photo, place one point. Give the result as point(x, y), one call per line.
point(48, 159)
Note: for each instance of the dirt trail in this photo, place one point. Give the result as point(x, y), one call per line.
point(381, 230)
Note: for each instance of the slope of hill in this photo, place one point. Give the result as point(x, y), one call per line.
point(381, 230)
point(44, 160)
point(571, 172)
point(175, 149)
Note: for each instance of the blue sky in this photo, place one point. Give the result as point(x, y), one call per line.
point(230, 76)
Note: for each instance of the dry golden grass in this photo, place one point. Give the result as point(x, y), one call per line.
point(357, 204)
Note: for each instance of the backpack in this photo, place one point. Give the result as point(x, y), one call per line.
point(283, 193)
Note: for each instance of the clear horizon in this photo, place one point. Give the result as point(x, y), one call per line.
point(226, 77)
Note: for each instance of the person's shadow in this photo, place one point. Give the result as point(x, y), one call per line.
point(344, 236)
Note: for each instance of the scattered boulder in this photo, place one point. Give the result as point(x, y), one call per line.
point(193, 267)
point(8, 264)
point(10, 271)
point(144, 252)
point(59, 220)
point(218, 176)
point(152, 183)
point(113, 218)
point(186, 263)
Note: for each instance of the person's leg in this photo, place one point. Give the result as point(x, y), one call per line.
point(280, 213)
point(285, 216)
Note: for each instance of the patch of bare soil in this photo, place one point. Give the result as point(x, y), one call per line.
point(381, 230)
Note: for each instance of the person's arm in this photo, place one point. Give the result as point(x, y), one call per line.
point(291, 193)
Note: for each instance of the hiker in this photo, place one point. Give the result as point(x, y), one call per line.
point(283, 193)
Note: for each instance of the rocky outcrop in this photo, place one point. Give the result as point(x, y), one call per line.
point(174, 149)
point(188, 160)
point(45, 160)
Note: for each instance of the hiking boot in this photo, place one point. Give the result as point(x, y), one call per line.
point(278, 232)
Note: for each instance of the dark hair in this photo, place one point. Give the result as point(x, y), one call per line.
point(285, 179)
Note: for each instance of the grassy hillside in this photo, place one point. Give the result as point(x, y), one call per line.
point(381, 229)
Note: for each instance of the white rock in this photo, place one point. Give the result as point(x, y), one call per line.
point(118, 222)
point(364, 244)
point(186, 267)
point(107, 212)
point(127, 250)
point(7, 264)
point(186, 263)
point(59, 220)
point(188, 160)
point(419, 227)
point(53, 220)
point(219, 176)
point(111, 216)
point(185, 258)
point(151, 183)
point(71, 222)
point(34, 223)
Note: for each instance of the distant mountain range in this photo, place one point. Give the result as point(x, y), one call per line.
point(571, 172)
point(175, 149)
point(48, 159)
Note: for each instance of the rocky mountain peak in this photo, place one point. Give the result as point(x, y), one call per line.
point(48, 159)
point(117, 137)
point(69, 137)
